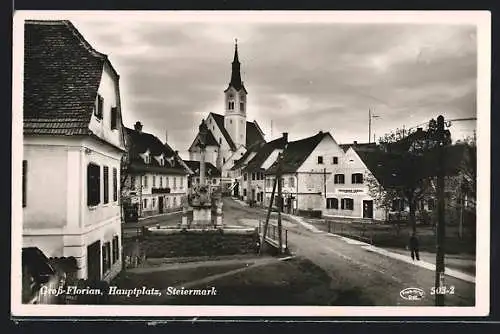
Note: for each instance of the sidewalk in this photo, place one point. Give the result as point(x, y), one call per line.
point(389, 253)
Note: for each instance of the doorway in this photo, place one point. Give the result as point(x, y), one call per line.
point(160, 204)
point(368, 209)
point(94, 261)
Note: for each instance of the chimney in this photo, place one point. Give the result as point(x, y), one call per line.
point(320, 132)
point(176, 152)
point(355, 143)
point(285, 137)
point(138, 126)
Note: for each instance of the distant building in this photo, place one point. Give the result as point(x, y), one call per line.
point(212, 174)
point(155, 177)
point(306, 166)
point(230, 134)
point(73, 144)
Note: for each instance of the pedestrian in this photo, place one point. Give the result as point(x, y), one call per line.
point(414, 247)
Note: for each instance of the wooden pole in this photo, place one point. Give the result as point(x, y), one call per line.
point(440, 266)
point(264, 231)
point(280, 208)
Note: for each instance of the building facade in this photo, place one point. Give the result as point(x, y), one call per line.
point(155, 177)
point(73, 145)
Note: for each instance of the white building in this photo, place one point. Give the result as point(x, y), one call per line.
point(73, 144)
point(230, 134)
point(156, 178)
point(347, 190)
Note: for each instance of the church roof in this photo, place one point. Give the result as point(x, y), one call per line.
point(219, 119)
point(254, 133)
point(235, 73)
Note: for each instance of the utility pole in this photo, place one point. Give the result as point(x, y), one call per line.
point(324, 180)
point(264, 232)
point(369, 125)
point(440, 251)
point(280, 208)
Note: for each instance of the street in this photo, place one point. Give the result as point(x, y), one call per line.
point(376, 277)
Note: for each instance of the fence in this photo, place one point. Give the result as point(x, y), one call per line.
point(272, 234)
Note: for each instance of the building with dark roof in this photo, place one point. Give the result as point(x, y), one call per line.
point(306, 165)
point(73, 140)
point(231, 135)
point(155, 177)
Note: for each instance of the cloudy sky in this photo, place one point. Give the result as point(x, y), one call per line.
point(300, 77)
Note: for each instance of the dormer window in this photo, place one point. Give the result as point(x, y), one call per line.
point(99, 106)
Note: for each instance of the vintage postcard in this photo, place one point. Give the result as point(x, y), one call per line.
point(241, 163)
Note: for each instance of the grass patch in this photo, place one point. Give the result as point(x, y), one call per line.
point(388, 235)
point(293, 282)
point(162, 279)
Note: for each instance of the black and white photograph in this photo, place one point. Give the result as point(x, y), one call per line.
point(244, 163)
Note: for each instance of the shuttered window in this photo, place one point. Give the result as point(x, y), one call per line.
point(93, 184)
point(114, 118)
point(115, 185)
point(332, 203)
point(357, 178)
point(347, 204)
point(116, 249)
point(106, 184)
point(106, 257)
point(339, 179)
point(25, 178)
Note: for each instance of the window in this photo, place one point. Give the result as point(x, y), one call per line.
point(25, 173)
point(175, 182)
point(338, 179)
point(242, 106)
point(115, 185)
point(147, 159)
point(181, 182)
point(161, 181)
point(154, 181)
point(430, 204)
point(230, 121)
point(231, 105)
point(357, 178)
point(332, 203)
point(244, 192)
point(99, 106)
point(347, 204)
point(175, 202)
point(114, 118)
point(166, 182)
point(116, 249)
point(268, 182)
point(245, 176)
point(106, 257)
point(220, 141)
point(223, 160)
point(106, 184)
point(153, 203)
point(145, 203)
point(335, 160)
point(145, 181)
point(291, 181)
point(198, 180)
point(253, 176)
point(93, 184)
point(132, 182)
point(214, 181)
point(320, 160)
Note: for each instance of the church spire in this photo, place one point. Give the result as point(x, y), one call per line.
point(235, 74)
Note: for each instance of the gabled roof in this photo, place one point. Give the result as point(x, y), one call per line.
point(210, 169)
point(297, 152)
point(140, 142)
point(263, 153)
point(219, 119)
point(62, 72)
point(254, 134)
point(387, 167)
point(241, 161)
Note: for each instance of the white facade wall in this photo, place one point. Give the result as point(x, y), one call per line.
point(211, 154)
point(56, 218)
point(351, 164)
point(235, 121)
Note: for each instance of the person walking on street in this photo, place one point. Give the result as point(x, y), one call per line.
point(414, 247)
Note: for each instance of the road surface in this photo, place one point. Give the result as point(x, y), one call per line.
point(379, 278)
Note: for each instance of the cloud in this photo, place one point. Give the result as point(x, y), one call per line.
point(301, 77)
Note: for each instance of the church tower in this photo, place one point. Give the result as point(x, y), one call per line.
point(235, 98)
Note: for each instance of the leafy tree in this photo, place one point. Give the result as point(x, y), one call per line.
point(407, 172)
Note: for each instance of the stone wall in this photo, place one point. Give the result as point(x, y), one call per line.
point(198, 243)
